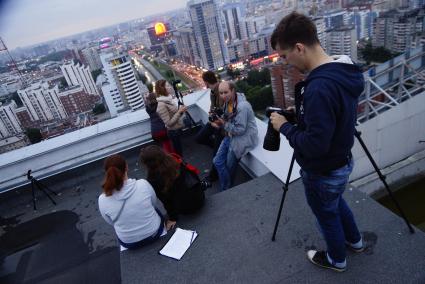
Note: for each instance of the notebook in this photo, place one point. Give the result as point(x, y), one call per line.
point(179, 243)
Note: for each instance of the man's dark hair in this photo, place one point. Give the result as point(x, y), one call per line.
point(209, 77)
point(292, 29)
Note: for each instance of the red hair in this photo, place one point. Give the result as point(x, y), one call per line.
point(115, 167)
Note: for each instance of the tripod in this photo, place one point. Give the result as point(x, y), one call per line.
point(180, 102)
point(377, 170)
point(43, 188)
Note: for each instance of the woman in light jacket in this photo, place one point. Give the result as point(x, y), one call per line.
point(171, 115)
point(129, 205)
point(158, 129)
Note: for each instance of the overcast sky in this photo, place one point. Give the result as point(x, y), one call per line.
point(26, 22)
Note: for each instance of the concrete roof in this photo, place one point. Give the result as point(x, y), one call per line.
point(234, 243)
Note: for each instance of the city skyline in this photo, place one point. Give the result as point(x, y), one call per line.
point(69, 17)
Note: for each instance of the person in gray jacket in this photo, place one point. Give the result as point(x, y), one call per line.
point(241, 134)
point(130, 206)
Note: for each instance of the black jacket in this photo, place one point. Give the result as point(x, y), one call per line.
point(179, 199)
point(327, 110)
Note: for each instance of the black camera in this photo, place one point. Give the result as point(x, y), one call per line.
point(272, 139)
point(216, 113)
point(175, 84)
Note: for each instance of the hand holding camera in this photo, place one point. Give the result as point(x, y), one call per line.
point(277, 118)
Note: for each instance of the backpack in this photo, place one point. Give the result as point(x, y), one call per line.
point(192, 198)
point(188, 166)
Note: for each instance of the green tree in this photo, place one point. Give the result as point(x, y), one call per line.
point(230, 73)
point(96, 73)
point(99, 108)
point(259, 78)
point(242, 86)
point(17, 99)
point(379, 54)
point(63, 83)
point(143, 78)
point(260, 97)
point(34, 135)
point(169, 74)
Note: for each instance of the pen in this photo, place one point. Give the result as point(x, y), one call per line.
point(191, 239)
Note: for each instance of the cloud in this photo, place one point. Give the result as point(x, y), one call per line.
point(26, 22)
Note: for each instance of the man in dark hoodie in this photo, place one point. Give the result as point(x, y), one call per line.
point(326, 108)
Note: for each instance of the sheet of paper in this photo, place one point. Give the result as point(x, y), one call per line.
point(178, 244)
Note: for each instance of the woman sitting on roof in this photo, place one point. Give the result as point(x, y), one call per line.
point(129, 205)
point(171, 115)
point(158, 129)
point(176, 184)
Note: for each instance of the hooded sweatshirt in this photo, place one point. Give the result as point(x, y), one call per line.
point(327, 112)
point(138, 219)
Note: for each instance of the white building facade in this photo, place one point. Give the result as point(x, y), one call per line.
point(78, 75)
point(209, 37)
point(9, 123)
point(42, 102)
point(121, 89)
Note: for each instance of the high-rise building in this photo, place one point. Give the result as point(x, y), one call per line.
point(321, 30)
point(233, 17)
point(397, 29)
point(209, 38)
point(78, 75)
point(283, 80)
point(42, 102)
point(334, 19)
point(121, 89)
point(342, 40)
point(91, 56)
point(9, 123)
point(186, 45)
point(257, 45)
point(254, 25)
point(75, 100)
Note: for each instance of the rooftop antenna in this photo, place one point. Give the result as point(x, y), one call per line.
point(3, 47)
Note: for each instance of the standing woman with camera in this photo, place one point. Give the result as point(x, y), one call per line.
point(158, 129)
point(129, 205)
point(171, 115)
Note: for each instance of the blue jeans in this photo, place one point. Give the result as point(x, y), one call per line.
point(335, 219)
point(147, 240)
point(225, 162)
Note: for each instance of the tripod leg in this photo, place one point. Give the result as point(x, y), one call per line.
point(40, 187)
point(382, 178)
point(285, 189)
point(33, 195)
point(46, 188)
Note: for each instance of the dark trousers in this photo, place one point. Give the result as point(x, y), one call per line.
point(174, 136)
point(212, 137)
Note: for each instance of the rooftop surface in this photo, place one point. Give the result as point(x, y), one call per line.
point(70, 242)
point(234, 243)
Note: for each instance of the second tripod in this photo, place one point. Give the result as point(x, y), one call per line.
point(35, 184)
point(377, 170)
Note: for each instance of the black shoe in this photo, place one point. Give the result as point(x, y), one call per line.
point(205, 184)
point(353, 249)
point(320, 259)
